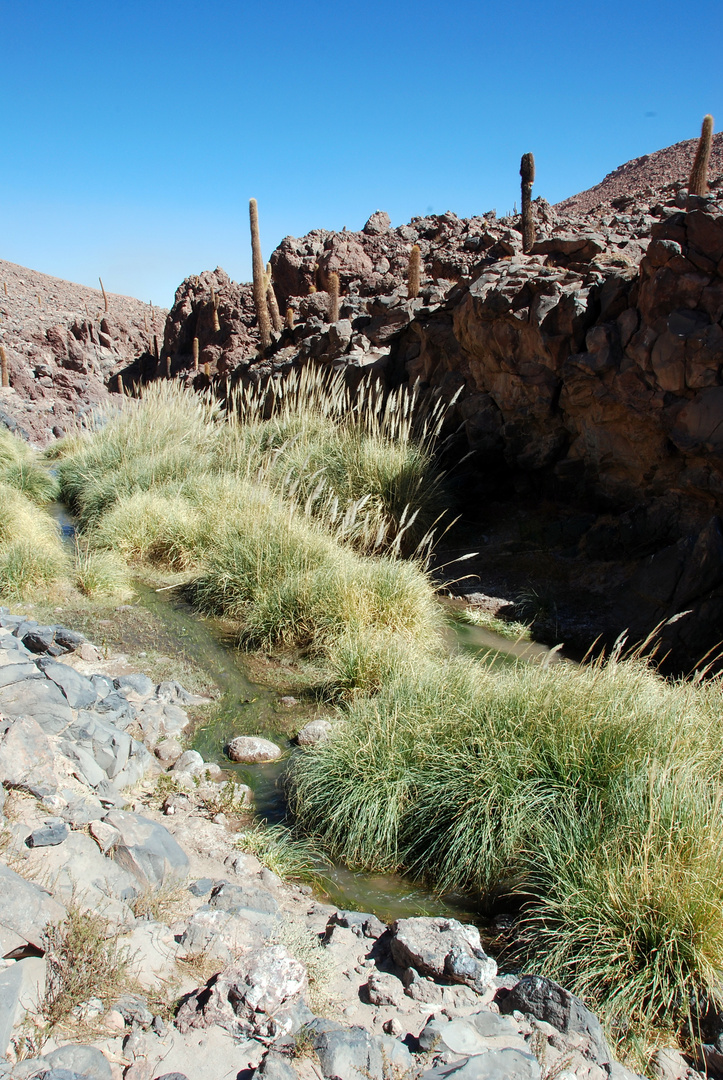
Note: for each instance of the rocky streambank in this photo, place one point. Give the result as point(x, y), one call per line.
point(231, 971)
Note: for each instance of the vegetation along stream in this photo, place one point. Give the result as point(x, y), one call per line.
point(247, 708)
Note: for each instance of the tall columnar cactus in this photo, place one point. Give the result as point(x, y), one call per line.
point(168, 367)
point(333, 297)
point(259, 284)
point(527, 173)
point(214, 305)
point(289, 318)
point(414, 272)
point(272, 302)
point(698, 183)
point(195, 354)
point(4, 377)
point(105, 295)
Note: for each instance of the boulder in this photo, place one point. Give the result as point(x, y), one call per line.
point(252, 750)
point(79, 691)
point(40, 699)
point(26, 757)
point(313, 732)
point(547, 1000)
point(494, 1065)
point(50, 834)
point(83, 1061)
point(355, 1054)
point(189, 762)
point(147, 850)
point(444, 949)
point(25, 912)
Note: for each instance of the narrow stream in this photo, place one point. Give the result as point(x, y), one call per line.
point(246, 708)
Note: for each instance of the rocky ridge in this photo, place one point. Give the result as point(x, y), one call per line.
point(64, 350)
point(83, 827)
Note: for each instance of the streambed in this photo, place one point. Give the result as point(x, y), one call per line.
point(244, 707)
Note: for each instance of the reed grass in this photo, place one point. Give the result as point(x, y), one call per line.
point(273, 519)
point(590, 795)
point(31, 554)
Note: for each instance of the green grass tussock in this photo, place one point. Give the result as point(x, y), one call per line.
point(594, 792)
point(266, 542)
point(31, 554)
point(20, 470)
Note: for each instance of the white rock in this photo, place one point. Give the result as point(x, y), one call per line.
point(252, 749)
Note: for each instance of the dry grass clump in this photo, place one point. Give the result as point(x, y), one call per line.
point(84, 961)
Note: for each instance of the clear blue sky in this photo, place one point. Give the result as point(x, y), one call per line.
point(134, 133)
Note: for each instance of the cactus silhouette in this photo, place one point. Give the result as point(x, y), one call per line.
point(214, 303)
point(271, 301)
point(259, 278)
point(414, 271)
point(105, 295)
point(195, 354)
point(289, 318)
point(4, 377)
point(698, 183)
point(333, 297)
point(527, 173)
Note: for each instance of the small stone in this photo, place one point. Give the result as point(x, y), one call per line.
point(288, 701)
point(314, 732)
point(168, 751)
point(115, 1021)
point(88, 652)
point(105, 836)
point(392, 1027)
point(48, 835)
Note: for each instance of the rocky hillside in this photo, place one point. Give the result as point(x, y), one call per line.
point(64, 349)
point(645, 177)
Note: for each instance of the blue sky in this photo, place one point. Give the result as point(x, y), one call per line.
point(134, 133)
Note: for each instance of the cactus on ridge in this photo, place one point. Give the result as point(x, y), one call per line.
point(259, 278)
point(272, 302)
point(527, 173)
point(214, 303)
point(333, 297)
point(698, 183)
point(4, 377)
point(414, 272)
